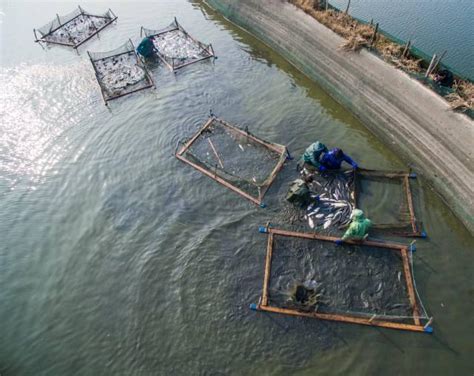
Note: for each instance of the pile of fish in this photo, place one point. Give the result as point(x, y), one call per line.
point(118, 72)
point(177, 45)
point(78, 29)
point(336, 200)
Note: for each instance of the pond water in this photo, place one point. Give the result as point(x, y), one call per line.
point(116, 258)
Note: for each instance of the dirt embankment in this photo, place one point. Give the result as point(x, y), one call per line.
point(411, 119)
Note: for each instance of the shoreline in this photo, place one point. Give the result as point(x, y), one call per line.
point(408, 117)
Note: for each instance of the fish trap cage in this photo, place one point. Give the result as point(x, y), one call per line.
point(369, 283)
point(386, 198)
point(176, 48)
point(234, 158)
point(75, 28)
point(120, 72)
point(335, 190)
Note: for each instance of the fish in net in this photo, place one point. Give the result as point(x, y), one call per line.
point(74, 28)
point(176, 48)
point(368, 283)
point(120, 72)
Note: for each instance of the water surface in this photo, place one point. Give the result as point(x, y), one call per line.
point(116, 258)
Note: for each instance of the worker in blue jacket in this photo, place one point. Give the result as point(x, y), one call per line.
point(146, 48)
point(333, 159)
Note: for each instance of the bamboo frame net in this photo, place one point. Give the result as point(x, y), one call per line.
point(120, 72)
point(418, 321)
point(407, 223)
point(235, 158)
point(176, 48)
point(75, 28)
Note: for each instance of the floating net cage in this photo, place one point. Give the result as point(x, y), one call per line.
point(234, 158)
point(120, 72)
point(176, 48)
point(335, 190)
point(75, 28)
point(369, 283)
point(386, 198)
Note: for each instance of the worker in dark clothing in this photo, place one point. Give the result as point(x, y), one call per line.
point(146, 48)
point(333, 159)
point(445, 78)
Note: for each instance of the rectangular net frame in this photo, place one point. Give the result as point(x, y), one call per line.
point(419, 323)
point(75, 28)
point(408, 224)
point(175, 58)
point(120, 72)
point(226, 162)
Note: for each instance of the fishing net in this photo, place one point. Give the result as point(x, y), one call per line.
point(176, 48)
point(333, 193)
point(235, 158)
point(120, 72)
point(367, 283)
point(74, 28)
point(386, 198)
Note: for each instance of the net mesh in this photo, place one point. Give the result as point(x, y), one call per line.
point(311, 275)
point(387, 200)
point(120, 72)
point(74, 28)
point(176, 47)
point(236, 156)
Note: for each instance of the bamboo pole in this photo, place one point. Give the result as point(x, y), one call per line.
point(430, 67)
point(268, 267)
point(343, 318)
point(268, 182)
point(219, 180)
point(410, 287)
point(215, 153)
point(438, 61)
point(406, 182)
point(406, 50)
point(313, 236)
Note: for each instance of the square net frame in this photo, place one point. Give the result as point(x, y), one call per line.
point(408, 224)
point(61, 29)
point(172, 62)
point(354, 318)
point(126, 51)
point(218, 171)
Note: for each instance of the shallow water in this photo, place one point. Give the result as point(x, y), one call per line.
point(116, 258)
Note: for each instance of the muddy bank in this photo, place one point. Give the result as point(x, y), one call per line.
point(409, 118)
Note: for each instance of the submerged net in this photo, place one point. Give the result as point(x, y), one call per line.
point(316, 276)
point(176, 47)
point(386, 198)
point(235, 158)
point(120, 71)
point(74, 28)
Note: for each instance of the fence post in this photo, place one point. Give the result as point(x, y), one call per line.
point(438, 61)
point(348, 5)
point(374, 35)
point(406, 50)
